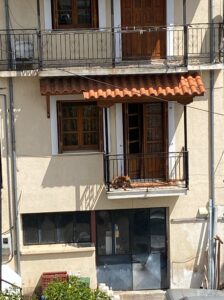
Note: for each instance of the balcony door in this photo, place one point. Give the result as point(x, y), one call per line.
point(146, 140)
point(136, 14)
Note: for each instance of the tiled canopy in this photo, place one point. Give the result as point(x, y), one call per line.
point(177, 87)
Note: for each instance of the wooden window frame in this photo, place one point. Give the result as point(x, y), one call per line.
point(94, 16)
point(80, 147)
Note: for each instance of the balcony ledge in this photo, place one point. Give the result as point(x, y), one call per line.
point(142, 193)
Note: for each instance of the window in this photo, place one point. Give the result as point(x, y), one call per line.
point(52, 228)
point(79, 126)
point(74, 14)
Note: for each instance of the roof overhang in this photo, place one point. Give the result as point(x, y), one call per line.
point(107, 90)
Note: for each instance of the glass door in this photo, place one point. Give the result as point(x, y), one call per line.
point(131, 249)
point(113, 250)
point(149, 249)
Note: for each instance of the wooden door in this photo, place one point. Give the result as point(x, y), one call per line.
point(145, 140)
point(142, 14)
point(155, 137)
point(134, 138)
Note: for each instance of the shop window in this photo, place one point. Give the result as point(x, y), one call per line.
point(55, 228)
point(74, 14)
point(79, 126)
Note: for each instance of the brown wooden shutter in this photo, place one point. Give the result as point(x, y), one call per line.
point(94, 13)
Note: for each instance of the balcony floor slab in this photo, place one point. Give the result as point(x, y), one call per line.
point(144, 193)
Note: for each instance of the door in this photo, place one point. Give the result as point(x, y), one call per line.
point(113, 250)
point(131, 249)
point(149, 249)
point(145, 140)
point(140, 14)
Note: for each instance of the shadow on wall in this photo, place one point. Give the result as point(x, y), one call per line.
point(73, 170)
point(83, 172)
point(191, 272)
point(200, 268)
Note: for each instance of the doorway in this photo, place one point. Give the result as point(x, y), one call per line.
point(141, 14)
point(145, 140)
point(131, 249)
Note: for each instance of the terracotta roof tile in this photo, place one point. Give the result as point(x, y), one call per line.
point(103, 87)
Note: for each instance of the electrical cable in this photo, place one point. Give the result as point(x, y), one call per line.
point(119, 87)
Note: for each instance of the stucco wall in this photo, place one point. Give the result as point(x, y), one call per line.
point(70, 182)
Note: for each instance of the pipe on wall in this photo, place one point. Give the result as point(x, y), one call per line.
point(8, 171)
point(13, 153)
point(212, 213)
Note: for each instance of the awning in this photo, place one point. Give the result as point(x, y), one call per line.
point(127, 88)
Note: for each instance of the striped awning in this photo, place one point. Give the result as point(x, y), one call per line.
point(173, 87)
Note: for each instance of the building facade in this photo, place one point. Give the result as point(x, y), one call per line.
point(110, 151)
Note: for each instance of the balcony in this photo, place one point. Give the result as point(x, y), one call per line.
point(154, 47)
point(144, 176)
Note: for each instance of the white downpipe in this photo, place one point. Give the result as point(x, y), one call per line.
point(169, 22)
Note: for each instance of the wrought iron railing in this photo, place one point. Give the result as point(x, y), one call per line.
point(162, 46)
point(145, 171)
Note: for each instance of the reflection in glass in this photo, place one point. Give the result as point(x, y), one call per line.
point(65, 12)
point(104, 233)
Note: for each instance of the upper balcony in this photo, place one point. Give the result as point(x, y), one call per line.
point(114, 50)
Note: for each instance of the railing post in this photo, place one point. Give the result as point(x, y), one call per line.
point(107, 171)
point(40, 49)
point(185, 45)
point(186, 166)
point(113, 47)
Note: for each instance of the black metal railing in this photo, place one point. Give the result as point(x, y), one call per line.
point(175, 45)
point(145, 171)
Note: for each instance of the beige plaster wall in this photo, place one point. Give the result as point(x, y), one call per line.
point(22, 14)
point(70, 182)
point(35, 261)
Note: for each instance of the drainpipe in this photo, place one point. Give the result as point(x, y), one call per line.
point(13, 156)
point(185, 33)
point(0, 219)
point(8, 171)
point(14, 178)
point(212, 210)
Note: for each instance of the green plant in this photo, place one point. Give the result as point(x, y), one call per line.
point(11, 294)
point(73, 289)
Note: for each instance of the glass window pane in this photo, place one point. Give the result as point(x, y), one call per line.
point(82, 227)
point(84, 12)
point(70, 139)
point(30, 229)
point(140, 231)
point(47, 228)
point(64, 12)
point(91, 139)
point(69, 110)
point(65, 227)
point(158, 229)
point(70, 125)
point(104, 233)
point(121, 233)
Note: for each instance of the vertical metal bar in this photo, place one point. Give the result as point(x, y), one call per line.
point(107, 148)
point(40, 48)
point(112, 33)
point(186, 164)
